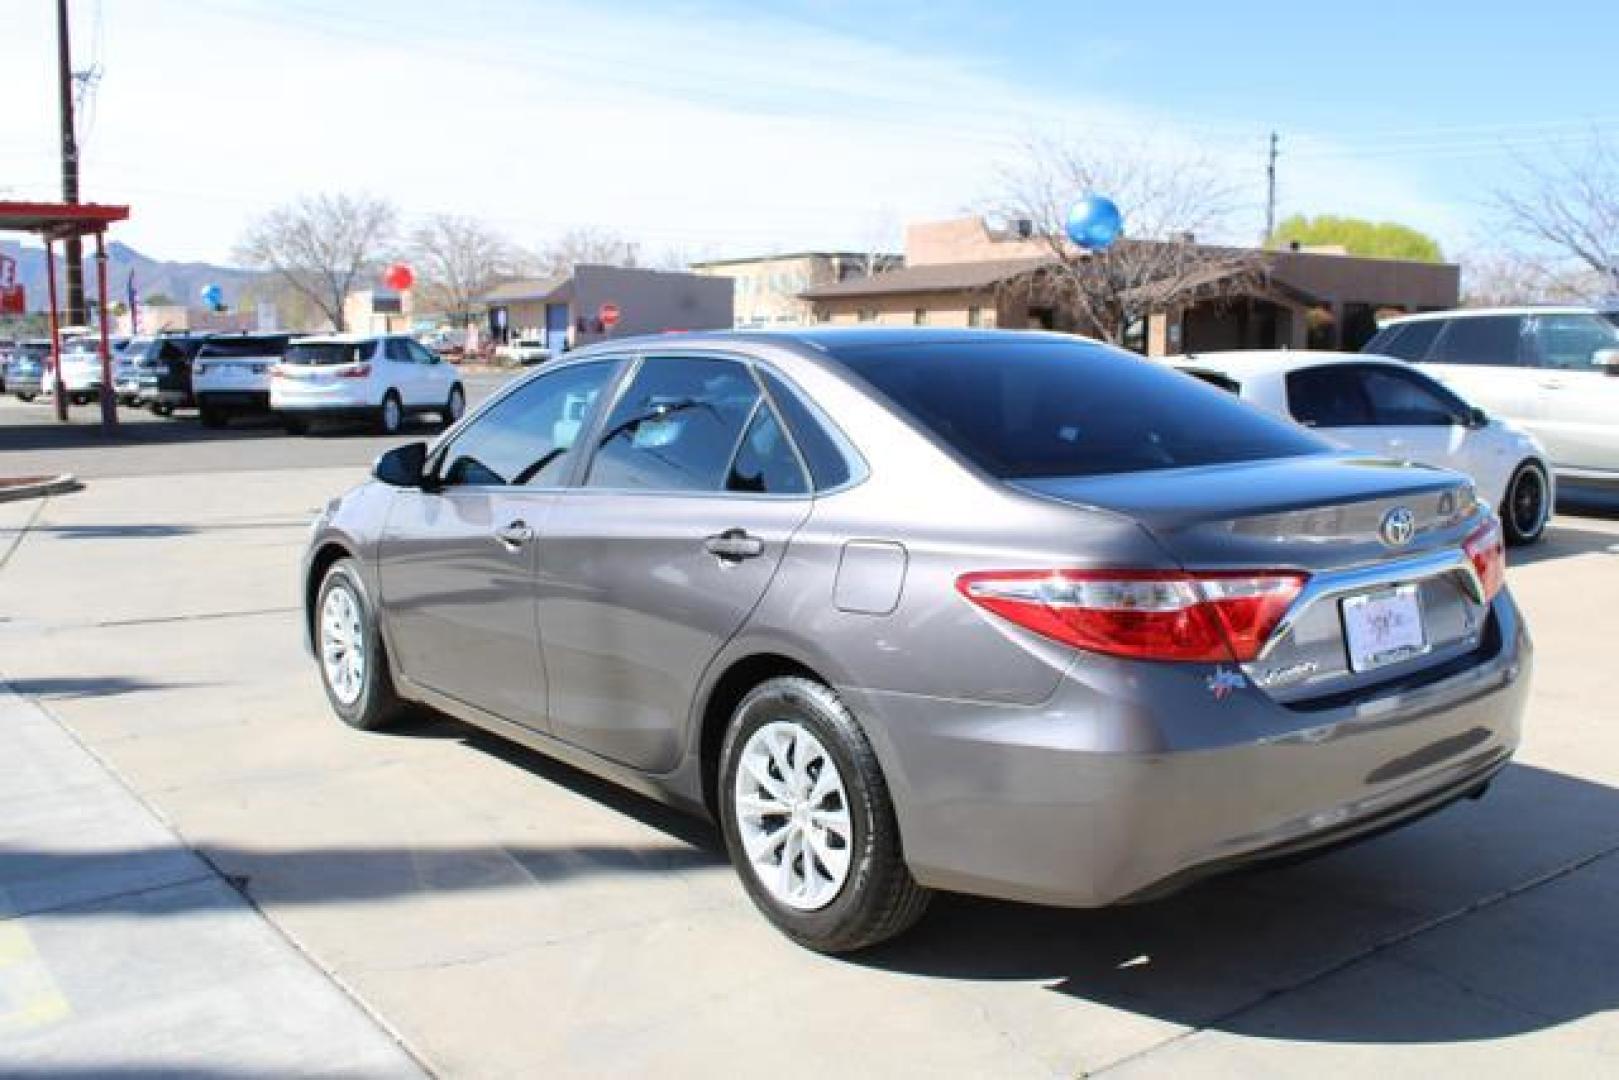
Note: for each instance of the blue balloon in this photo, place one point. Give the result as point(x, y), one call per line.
point(213, 296)
point(1094, 222)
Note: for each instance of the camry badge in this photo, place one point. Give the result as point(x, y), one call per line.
point(1399, 526)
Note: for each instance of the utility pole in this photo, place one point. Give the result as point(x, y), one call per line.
point(76, 315)
point(1270, 189)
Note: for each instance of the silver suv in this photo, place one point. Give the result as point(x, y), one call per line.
point(1552, 370)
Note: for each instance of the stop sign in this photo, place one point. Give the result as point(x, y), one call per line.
point(608, 314)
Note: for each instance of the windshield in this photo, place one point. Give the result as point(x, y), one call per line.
point(1022, 410)
point(326, 353)
point(243, 346)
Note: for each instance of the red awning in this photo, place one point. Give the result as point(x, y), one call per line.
point(59, 219)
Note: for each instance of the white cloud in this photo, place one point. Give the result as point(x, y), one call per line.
point(672, 127)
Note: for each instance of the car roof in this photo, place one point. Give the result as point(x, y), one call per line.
point(1252, 362)
point(827, 339)
point(1526, 309)
point(347, 338)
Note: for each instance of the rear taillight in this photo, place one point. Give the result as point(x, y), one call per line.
point(1487, 552)
point(1144, 614)
point(354, 371)
point(278, 371)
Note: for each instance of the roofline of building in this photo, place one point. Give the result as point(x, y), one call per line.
point(797, 255)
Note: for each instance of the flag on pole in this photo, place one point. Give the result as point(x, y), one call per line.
point(134, 306)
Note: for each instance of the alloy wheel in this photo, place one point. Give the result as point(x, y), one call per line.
point(342, 645)
point(1527, 502)
point(792, 814)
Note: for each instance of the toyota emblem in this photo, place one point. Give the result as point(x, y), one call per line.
point(1399, 526)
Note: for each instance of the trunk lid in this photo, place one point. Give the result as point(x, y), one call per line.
point(1327, 515)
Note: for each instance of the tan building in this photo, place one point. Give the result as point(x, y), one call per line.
point(965, 273)
point(769, 288)
point(565, 312)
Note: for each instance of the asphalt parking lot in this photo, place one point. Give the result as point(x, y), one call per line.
point(504, 915)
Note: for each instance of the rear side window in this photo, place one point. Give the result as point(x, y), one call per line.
point(1487, 340)
point(825, 452)
point(676, 427)
point(1409, 341)
point(1328, 397)
point(1570, 342)
point(328, 353)
point(765, 462)
point(1040, 408)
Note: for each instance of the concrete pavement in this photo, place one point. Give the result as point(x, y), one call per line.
point(510, 917)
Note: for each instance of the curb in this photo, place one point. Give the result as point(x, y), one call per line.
point(38, 488)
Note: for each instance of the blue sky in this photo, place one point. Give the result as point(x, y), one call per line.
point(722, 128)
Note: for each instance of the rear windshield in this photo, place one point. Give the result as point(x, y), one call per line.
point(245, 346)
point(1023, 410)
point(323, 353)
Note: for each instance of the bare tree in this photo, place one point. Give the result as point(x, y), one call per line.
point(459, 259)
point(1496, 277)
point(320, 244)
point(1568, 205)
point(1157, 265)
point(588, 245)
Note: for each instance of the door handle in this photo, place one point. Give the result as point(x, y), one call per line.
point(514, 535)
point(1552, 384)
point(734, 544)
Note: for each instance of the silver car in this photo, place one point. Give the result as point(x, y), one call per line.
point(1005, 613)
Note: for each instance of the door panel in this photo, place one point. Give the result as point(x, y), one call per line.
point(459, 599)
point(1576, 405)
point(634, 606)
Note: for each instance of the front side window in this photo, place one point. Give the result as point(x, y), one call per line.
point(1328, 397)
point(677, 426)
point(398, 349)
point(420, 353)
point(1569, 342)
point(1487, 340)
point(527, 437)
point(1407, 399)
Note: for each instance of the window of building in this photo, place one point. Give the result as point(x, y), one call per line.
point(975, 316)
point(867, 314)
point(920, 317)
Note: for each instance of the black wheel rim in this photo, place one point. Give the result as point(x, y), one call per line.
point(1528, 496)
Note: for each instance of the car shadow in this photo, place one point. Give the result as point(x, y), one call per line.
point(1563, 540)
point(1474, 897)
point(67, 688)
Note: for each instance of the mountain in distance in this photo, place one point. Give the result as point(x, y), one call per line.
point(182, 282)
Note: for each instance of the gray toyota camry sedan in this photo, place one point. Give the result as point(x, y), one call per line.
point(1006, 613)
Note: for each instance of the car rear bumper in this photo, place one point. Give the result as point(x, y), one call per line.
point(24, 384)
point(239, 400)
point(1135, 779)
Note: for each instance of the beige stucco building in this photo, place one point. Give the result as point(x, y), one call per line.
point(769, 288)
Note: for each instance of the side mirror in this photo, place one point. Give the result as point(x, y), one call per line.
point(1607, 360)
point(402, 466)
point(1477, 418)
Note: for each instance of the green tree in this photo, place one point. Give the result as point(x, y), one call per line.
point(1375, 239)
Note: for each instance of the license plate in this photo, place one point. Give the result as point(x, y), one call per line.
point(1384, 627)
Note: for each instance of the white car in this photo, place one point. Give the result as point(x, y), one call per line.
point(1386, 407)
point(81, 372)
point(230, 375)
point(525, 351)
point(383, 378)
point(1553, 370)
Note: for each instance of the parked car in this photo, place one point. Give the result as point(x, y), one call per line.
point(524, 351)
point(81, 369)
point(1553, 370)
point(163, 371)
point(378, 378)
point(1386, 407)
point(25, 375)
point(7, 349)
point(231, 375)
point(125, 374)
point(1031, 617)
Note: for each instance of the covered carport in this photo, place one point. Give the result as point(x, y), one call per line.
point(53, 222)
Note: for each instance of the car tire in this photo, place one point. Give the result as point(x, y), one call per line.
point(349, 652)
point(455, 406)
point(294, 425)
point(212, 418)
point(828, 892)
point(158, 408)
point(390, 414)
point(1527, 505)
point(25, 397)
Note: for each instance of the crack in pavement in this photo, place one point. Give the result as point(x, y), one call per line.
point(22, 532)
point(1374, 950)
point(200, 616)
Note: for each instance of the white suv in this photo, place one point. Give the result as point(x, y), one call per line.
point(1551, 370)
point(380, 378)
